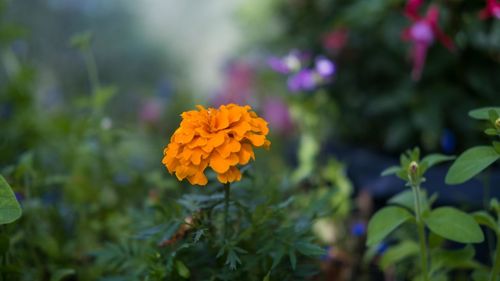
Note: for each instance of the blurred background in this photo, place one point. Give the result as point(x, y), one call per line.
point(91, 91)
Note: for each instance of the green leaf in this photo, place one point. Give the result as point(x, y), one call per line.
point(384, 222)
point(293, 258)
point(491, 132)
point(434, 159)
point(471, 163)
point(182, 269)
point(399, 252)
point(454, 225)
point(9, 207)
point(390, 171)
point(485, 219)
point(449, 259)
point(61, 274)
point(496, 146)
point(309, 249)
point(406, 199)
point(267, 277)
point(483, 113)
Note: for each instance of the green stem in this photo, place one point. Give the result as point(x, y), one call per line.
point(92, 70)
point(421, 232)
point(496, 266)
point(226, 208)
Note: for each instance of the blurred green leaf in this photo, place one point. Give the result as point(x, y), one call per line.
point(483, 113)
point(384, 222)
point(485, 219)
point(398, 252)
point(454, 225)
point(471, 163)
point(9, 207)
point(434, 159)
point(309, 249)
point(390, 171)
point(182, 269)
point(61, 274)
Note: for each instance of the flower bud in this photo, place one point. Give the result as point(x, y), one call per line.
point(413, 170)
point(497, 123)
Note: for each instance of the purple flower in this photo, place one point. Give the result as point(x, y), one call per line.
point(304, 80)
point(278, 65)
point(381, 248)
point(324, 67)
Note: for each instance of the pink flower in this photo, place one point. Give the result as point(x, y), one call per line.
point(335, 40)
point(422, 34)
point(275, 111)
point(151, 111)
point(238, 84)
point(492, 9)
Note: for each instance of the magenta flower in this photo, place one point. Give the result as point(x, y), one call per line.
point(335, 40)
point(238, 84)
point(492, 9)
point(422, 33)
point(276, 112)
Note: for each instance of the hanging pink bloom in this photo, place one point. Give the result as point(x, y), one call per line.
point(411, 9)
point(492, 9)
point(422, 34)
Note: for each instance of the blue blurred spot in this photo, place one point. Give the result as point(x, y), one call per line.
point(448, 141)
point(381, 248)
point(358, 229)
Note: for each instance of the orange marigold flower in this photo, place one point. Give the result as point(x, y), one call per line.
point(220, 138)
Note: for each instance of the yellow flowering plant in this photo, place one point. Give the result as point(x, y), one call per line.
point(206, 235)
point(221, 139)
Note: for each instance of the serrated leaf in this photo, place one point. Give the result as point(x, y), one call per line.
point(390, 171)
point(61, 274)
point(182, 269)
point(483, 113)
point(384, 222)
point(399, 252)
point(471, 163)
point(309, 249)
point(9, 207)
point(293, 258)
point(454, 225)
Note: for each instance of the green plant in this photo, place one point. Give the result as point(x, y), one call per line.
point(415, 207)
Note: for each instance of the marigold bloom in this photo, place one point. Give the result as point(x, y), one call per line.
point(220, 138)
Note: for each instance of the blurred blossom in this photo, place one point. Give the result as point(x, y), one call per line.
point(238, 84)
point(381, 248)
point(492, 10)
point(335, 40)
point(151, 110)
point(292, 62)
point(19, 196)
point(304, 80)
point(324, 67)
point(106, 123)
point(358, 229)
point(448, 141)
point(277, 114)
point(422, 34)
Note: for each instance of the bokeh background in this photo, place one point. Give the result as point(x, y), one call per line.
point(91, 91)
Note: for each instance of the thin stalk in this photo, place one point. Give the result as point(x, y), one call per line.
point(421, 232)
point(496, 265)
point(92, 70)
point(226, 209)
